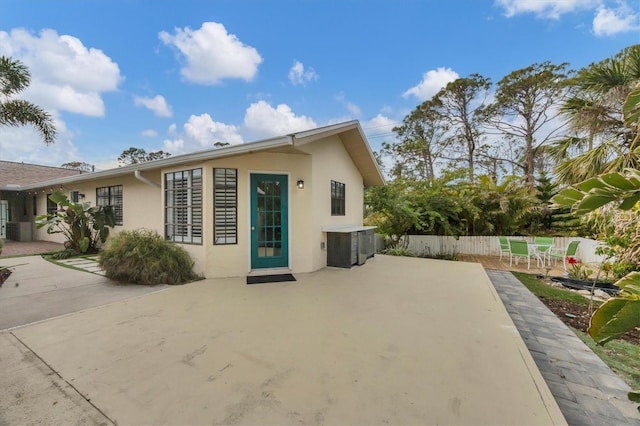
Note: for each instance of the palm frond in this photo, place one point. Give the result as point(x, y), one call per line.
point(19, 113)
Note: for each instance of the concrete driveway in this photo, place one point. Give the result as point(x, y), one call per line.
point(39, 290)
point(397, 341)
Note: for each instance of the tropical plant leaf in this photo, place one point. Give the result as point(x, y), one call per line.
point(567, 197)
point(592, 202)
point(631, 107)
point(59, 198)
point(630, 283)
point(630, 201)
point(84, 244)
point(614, 318)
point(590, 184)
point(619, 181)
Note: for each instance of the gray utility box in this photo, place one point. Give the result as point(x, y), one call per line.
point(349, 246)
point(19, 231)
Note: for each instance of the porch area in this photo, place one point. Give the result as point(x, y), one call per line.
point(397, 341)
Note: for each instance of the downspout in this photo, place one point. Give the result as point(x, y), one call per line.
point(141, 178)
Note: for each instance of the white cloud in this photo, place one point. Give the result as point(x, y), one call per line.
point(379, 124)
point(205, 131)
point(552, 9)
point(212, 54)
point(350, 106)
point(149, 133)
point(157, 104)
point(609, 22)
point(200, 132)
point(175, 146)
point(432, 82)
point(299, 76)
point(23, 144)
point(263, 120)
point(66, 75)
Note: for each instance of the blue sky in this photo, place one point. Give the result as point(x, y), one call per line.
point(181, 75)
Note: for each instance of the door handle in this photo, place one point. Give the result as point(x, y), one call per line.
point(253, 228)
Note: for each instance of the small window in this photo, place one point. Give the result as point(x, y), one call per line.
point(52, 208)
point(225, 206)
point(75, 196)
point(183, 206)
point(337, 198)
point(111, 196)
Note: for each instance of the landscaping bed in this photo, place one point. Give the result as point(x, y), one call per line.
point(621, 355)
point(577, 316)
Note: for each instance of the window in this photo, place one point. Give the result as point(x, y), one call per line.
point(52, 208)
point(183, 206)
point(74, 196)
point(337, 198)
point(225, 206)
point(111, 196)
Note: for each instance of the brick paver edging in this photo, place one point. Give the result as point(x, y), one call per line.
point(585, 388)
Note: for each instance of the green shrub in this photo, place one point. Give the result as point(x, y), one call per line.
point(65, 254)
point(145, 257)
point(398, 251)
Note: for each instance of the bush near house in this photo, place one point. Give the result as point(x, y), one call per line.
point(145, 257)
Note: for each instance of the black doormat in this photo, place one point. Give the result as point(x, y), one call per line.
point(261, 279)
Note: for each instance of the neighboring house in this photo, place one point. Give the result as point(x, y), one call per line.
point(17, 209)
point(240, 208)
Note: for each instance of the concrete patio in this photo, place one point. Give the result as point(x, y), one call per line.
point(398, 341)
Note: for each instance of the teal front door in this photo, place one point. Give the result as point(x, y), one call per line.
point(269, 221)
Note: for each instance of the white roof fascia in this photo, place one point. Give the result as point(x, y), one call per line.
point(321, 132)
point(209, 154)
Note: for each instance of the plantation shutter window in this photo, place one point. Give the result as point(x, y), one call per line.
point(183, 206)
point(337, 198)
point(111, 196)
point(52, 208)
point(225, 206)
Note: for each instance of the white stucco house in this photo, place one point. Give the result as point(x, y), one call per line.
point(237, 210)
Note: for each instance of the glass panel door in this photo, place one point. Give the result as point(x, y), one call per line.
point(269, 221)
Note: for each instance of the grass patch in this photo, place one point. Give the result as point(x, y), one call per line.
point(58, 261)
point(541, 289)
point(622, 357)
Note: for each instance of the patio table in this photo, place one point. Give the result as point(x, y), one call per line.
point(541, 255)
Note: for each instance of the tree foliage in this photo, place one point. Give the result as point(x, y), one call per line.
point(139, 155)
point(79, 165)
point(15, 78)
point(601, 142)
point(460, 105)
point(525, 110)
point(421, 145)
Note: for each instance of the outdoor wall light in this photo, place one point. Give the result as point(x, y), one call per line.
point(300, 184)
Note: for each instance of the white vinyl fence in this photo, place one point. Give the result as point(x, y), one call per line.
point(434, 245)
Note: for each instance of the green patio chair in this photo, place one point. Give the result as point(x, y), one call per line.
point(569, 251)
point(544, 246)
point(504, 246)
point(520, 249)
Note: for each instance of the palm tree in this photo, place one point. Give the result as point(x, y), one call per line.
point(14, 78)
point(601, 139)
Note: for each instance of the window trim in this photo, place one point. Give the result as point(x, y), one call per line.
point(52, 208)
point(112, 197)
point(191, 209)
point(338, 198)
point(228, 210)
